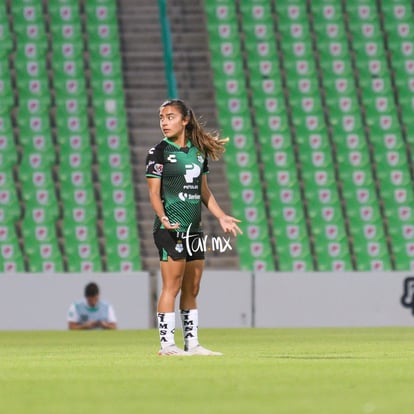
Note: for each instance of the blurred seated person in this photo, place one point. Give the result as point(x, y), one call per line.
point(91, 312)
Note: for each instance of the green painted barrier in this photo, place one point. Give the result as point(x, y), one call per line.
point(168, 50)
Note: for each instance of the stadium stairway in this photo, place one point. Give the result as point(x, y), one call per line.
point(145, 89)
point(195, 85)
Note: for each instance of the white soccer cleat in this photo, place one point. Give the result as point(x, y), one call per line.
point(199, 350)
point(172, 350)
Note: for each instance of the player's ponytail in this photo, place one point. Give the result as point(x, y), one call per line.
point(210, 144)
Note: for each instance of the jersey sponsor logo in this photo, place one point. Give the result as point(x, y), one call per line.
point(185, 196)
point(192, 171)
point(172, 158)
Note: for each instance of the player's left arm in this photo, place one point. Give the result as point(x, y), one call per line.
point(227, 223)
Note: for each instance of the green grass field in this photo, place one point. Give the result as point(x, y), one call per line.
point(312, 371)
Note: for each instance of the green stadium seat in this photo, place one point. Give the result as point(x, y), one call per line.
point(34, 124)
point(108, 69)
point(97, 13)
point(64, 70)
point(369, 260)
point(9, 200)
point(397, 12)
point(64, 13)
point(293, 12)
point(223, 12)
point(118, 197)
point(36, 215)
point(38, 180)
point(66, 50)
point(37, 143)
point(123, 256)
point(73, 124)
point(75, 178)
point(104, 50)
point(5, 37)
point(46, 258)
point(108, 88)
point(78, 196)
point(38, 234)
point(119, 215)
point(6, 125)
point(67, 32)
point(80, 214)
point(27, 13)
point(11, 257)
point(31, 33)
point(224, 32)
point(103, 32)
point(112, 142)
point(8, 152)
point(33, 88)
point(30, 51)
point(82, 265)
point(78, 233)
point(111, 123)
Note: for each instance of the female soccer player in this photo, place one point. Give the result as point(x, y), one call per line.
point(177, 181)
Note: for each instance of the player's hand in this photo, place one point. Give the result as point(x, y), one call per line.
point(169, 226)
point(229, 225)
point(91, 324)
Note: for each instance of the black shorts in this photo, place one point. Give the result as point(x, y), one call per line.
point(179, 245)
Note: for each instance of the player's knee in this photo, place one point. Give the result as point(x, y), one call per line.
point(172, 289)
point(191, 291)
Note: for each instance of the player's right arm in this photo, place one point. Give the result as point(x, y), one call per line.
point(154, 188)
point(154, 169)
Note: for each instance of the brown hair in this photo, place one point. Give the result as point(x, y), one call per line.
point(210, 144)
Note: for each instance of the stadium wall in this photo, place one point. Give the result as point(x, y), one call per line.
point(228, 299)
point(40, 302)
point(324, 299)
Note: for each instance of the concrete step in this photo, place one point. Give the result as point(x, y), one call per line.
point(146, 89)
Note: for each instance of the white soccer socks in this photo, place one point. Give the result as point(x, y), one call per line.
point(166, 328)
point(189, 320)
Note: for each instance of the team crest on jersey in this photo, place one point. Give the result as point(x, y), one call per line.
point(179, 246)
point(200, 157)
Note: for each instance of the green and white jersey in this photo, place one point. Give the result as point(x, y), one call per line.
point(81, 312)
point(180, 170)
